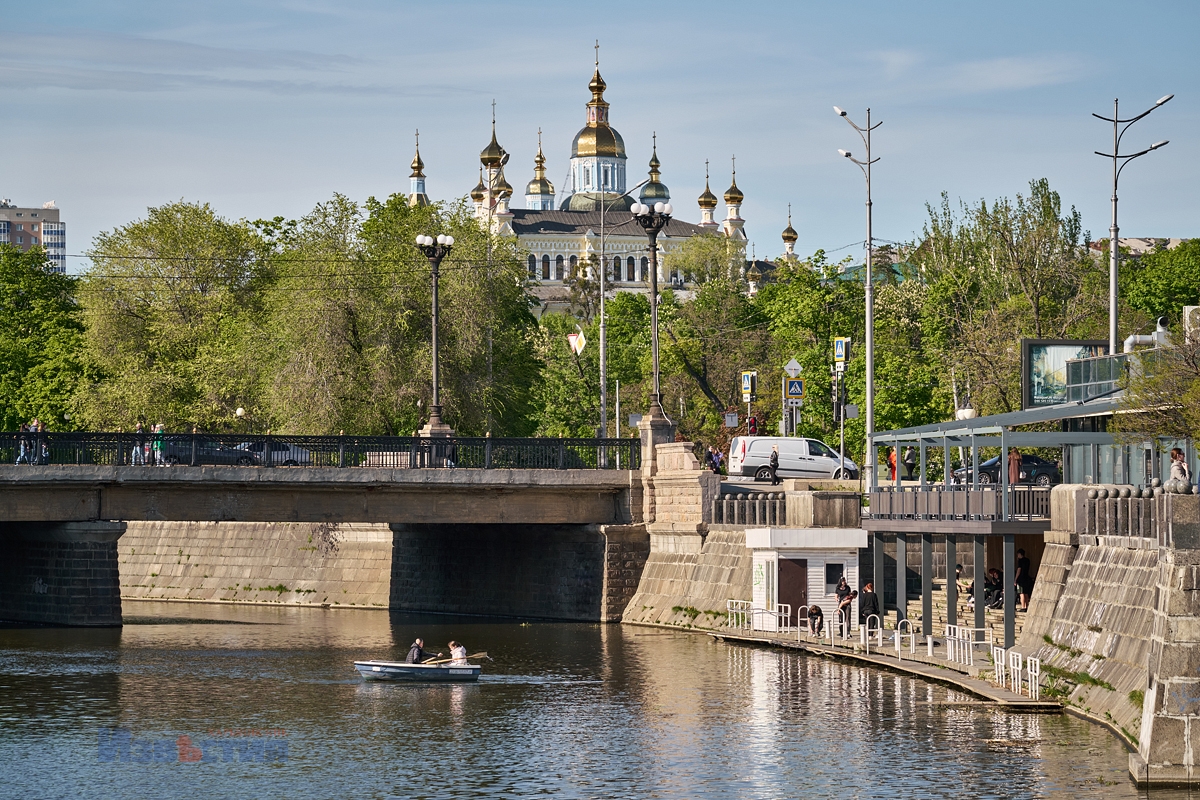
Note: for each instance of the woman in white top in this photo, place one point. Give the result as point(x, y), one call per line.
point(458, 653)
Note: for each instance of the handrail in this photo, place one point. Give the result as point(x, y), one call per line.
point(899, 637)
point(269, 450)
point(958, 502)
point(866, 632)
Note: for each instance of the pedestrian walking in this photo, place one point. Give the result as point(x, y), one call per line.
point(891, 460)
point(23, 444)
point(910, 462)
point(774, 465)
point(868, 604)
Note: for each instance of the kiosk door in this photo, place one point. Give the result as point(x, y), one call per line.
point(793, 586)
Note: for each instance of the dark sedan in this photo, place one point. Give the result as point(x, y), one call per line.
point(179, 450)
point(1037, 471)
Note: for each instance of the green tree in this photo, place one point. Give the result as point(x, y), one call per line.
point(1162, 282)
point(171, 306)
point(40, 363)
point(350, 325)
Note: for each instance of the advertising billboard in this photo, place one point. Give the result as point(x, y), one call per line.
point(1044, 368)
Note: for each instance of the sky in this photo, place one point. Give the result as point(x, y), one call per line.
point(266, 109)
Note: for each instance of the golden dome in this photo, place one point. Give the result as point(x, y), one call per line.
point(789, 233)
point(597, 138)
point(418, 166)
point(733, 195)
point(539, 185)
point(493, 154)
point(480, 191)
point(708, 199)
point(502, 187)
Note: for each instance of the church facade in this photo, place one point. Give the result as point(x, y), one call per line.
point(587, 223)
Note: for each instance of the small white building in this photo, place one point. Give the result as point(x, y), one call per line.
point(799, 567)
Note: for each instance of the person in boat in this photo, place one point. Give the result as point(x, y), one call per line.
point(458, 653)
point(417, 654)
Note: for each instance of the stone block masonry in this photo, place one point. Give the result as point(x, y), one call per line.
point(292, 563)
point(60, 573)
point(533, 571)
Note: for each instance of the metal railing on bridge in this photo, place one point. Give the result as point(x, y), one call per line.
point(395, 452)
point(938, 502)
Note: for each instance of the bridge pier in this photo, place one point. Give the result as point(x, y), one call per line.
point(61, 573)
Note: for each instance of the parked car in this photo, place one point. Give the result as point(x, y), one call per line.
point(179, 450)
point(798, 458)
point(1037, 471)
point(283, 454)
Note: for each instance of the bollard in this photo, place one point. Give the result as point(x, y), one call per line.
point(929, 645)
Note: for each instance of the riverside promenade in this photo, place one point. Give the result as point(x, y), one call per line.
point(975, 680)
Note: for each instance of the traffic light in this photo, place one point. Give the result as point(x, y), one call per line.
point(752, 426)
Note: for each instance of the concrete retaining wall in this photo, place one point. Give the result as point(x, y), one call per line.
point(257, 562)
point(60, 573)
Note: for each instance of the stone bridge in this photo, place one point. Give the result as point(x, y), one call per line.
point(69, 532)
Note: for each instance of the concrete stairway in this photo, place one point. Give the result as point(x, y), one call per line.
point(966, 616)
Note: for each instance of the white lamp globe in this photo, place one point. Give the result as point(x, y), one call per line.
point(667, 209)
point(449, 240)
point(658, 207)
point(441, 239)
point(241, 412)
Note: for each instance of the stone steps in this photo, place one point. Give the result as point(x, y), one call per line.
point(993, 618)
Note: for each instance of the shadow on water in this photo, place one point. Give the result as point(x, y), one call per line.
point(571, 710)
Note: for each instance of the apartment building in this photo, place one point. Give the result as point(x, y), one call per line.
point(31, 227)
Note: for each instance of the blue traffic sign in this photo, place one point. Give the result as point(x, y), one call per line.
point(795, 389)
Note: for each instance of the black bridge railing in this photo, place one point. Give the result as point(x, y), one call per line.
point(403, 452)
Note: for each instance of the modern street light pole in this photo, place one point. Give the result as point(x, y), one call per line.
point(653, 220)
point(603, 338)
point(865, 166)
point(1118, 163)
point(435, 250)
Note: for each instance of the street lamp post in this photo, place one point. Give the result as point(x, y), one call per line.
point(435, 250)
point(865, 166)
point(1118, 163)
point(653, 220)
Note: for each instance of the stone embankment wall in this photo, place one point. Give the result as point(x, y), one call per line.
point(61, 573)
point(689, 586)
point(257, 562)
point(1115, 618)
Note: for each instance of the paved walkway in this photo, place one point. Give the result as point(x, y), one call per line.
point(914, 664)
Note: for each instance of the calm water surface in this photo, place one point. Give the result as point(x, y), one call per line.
point(570, 711)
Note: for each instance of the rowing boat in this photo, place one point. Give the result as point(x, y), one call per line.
point(402, 671)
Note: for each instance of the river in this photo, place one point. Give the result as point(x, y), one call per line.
point(225, 701)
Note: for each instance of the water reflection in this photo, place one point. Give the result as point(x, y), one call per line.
point(573, 711)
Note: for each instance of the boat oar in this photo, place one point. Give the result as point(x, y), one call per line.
point(446, 660)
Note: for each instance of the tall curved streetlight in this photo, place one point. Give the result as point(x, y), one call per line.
point(604, 207)
point(435, 250)
point(1119, 162)
point(653, 220)
point(869, 290)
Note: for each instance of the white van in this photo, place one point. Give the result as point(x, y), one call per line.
point(798, 458)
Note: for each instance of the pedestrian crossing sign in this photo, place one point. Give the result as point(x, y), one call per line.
point(841, 349)
point(749, 386)
point(794, 388)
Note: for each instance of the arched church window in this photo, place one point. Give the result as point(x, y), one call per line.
point(533, 266)
point(587, 178)
point(545, 268)
point(558, 267)
point(574, 262)
point(645, 266)
point(630, 266)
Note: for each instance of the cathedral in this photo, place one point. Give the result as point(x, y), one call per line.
point(588, 221)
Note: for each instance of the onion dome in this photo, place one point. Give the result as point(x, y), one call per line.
point(596, 138)
point(655, 191)
point(480, 191)
point(502, 187)
point(539, 186)
point(789, 233)
point(708, 200)
point(418, 166)
point(733, 195)
point(493, 154)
